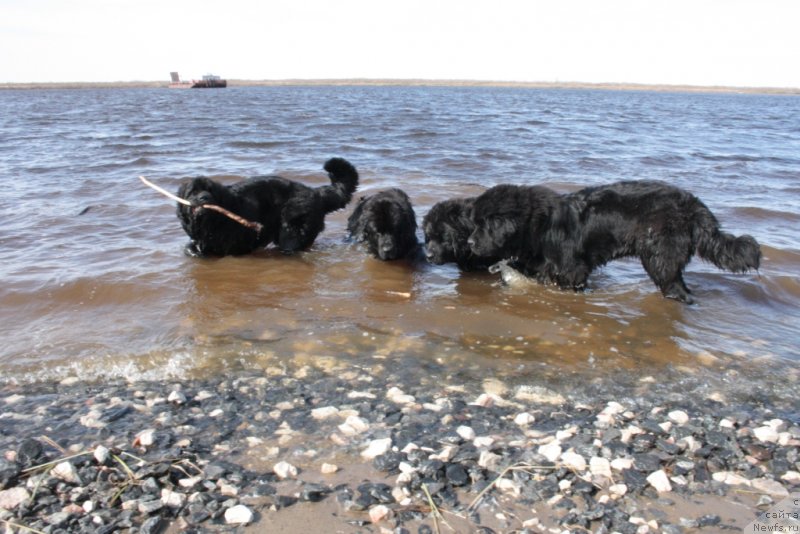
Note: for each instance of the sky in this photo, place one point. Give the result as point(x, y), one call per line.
point(748, 43)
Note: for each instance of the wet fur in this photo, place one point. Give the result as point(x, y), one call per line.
point(292, 214)
point(561, 239)
point(447, 226)
point(386, 224)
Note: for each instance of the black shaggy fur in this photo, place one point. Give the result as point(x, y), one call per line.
point(447, 226)
point(561, 239)
point(386, 223)
point(292, 214)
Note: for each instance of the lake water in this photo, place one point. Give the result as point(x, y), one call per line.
point(95, 284)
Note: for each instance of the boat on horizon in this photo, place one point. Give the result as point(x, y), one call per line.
point(209, 81)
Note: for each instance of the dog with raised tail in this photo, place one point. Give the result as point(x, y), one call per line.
point(285, 213)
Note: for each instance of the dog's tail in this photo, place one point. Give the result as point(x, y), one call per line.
point(726, 251)
point(344, 181)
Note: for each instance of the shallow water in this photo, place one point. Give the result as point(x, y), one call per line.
point(95, 282)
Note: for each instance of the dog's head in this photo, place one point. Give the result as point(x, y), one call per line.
point(302, 220)
point(499, 216)
point(447, 226)
point(200, 191)
point(384, 225)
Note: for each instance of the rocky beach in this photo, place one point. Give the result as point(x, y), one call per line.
point(328, 446)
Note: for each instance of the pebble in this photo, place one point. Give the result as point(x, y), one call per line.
point(176, 397)
point(600, 467)
point(328, 469)
point(660, 481)
point(766, 434)
point(572, 460)
point(679, 417)
point(66, 471)
point(455, 448)
point(376, 447)
point(551, 450)
point(238, 515)
point(325, 412)
point(11, 498)
point(101, 454)
point(524, 418)
point(284, 470)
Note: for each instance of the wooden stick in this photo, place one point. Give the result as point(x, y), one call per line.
point(165, 192)
point(241, 220)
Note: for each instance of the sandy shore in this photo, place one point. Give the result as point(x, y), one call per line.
point(418, 83)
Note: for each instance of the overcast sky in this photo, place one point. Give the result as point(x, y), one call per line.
point(698, 42)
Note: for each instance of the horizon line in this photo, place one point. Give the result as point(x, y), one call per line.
point(419, 82)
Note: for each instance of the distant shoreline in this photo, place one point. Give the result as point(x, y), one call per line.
point(419, 83)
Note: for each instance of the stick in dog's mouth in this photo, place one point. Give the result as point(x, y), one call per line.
point(241, 220)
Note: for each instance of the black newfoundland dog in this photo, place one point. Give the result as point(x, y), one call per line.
point(291, 214)
point(386, 223)
point(447, 226)
point(560, 239)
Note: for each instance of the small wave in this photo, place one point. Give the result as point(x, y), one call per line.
point(761, 214)
point(255, 144)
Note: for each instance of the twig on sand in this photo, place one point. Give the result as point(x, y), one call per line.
point(12, 525)
point(515, 467)
point(241, 220)
point(434, 510)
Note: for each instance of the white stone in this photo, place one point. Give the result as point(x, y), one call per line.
point(730, 478)
point(489, 460)
point(613, 408)
point(66, 472)
point(88, 506)
point(551, 450)
point(173, 499)
point(485, 400)
point(379, 513)
point(691, 443)
point(376, 447)
point(238, 515)
point(778, 425)
point(397, 395)
point(406, 467)
point(359, 424)
point(564, 484)
point(599, 467)
point(189, 482)
point(660, 481)
point(791, 477)
point(726, 423)
point(766, 434)
point(618, 489)
point(573, 460)
point(565, 434)
point(177, 397)
point(483, 441)
point(285, 470)
point(769, 486)
point(466, 432)
point(524, 418)
point(509, 486)
point(328, 469)
point(228, 490)
point(621, 464)
point(324, 412)
point(145, 438)
point(13, 497)
point(101, 454)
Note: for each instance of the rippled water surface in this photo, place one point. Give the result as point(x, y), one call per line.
point(95, 282)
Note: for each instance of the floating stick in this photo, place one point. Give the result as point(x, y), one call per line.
point(241, 220)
